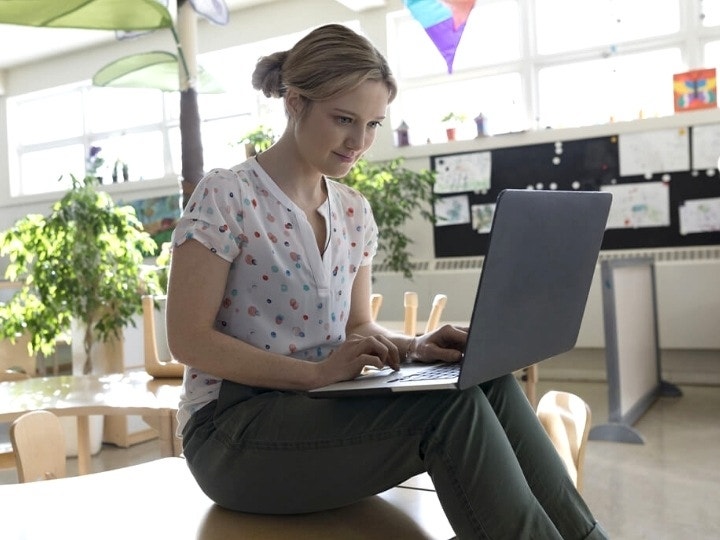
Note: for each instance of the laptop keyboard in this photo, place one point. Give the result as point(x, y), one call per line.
point(440, 371)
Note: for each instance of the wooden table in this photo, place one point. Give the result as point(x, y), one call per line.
point(86, 395)
point(160, 499)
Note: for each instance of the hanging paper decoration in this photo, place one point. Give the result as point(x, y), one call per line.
point(444, 21)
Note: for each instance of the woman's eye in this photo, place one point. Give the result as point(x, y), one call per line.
point(344, 120)
point(375, 124)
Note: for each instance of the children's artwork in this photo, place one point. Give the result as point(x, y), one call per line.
point(463, 172)
point(696, 89)
point(705, 147)
point(444, 21)
point(645, 204)
point(482, 217)
point(452, 210)
point(700, 215)
point(651, 152)
point(159, 215)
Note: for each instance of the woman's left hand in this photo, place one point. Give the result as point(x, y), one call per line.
point(445, 344)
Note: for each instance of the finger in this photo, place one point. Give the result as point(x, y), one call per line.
point(392, 358)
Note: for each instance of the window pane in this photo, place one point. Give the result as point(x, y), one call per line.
point(141, 152)
point(712, 55)
point(566, 25)
point(491, 36)
point(47, 118)
point(175, 150)
point(616, 88)
point(498, 98)
point(710, 10)
point(221, 147)
point(40, 170)
point(111, 109)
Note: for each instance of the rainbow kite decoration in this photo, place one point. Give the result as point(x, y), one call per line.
point(444, 21)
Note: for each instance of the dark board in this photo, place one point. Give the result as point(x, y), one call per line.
point(586, 164)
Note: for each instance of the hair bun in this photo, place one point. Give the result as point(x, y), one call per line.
point(267, 76)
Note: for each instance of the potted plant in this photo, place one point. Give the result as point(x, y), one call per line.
point(258, 140)
point(83, 262)
point(395, 193)
point(452, 120)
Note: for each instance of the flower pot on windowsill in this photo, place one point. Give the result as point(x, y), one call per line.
point(450, 132)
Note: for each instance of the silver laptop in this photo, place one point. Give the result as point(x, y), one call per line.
point(531, 296)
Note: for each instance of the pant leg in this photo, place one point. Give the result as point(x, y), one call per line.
point(286, 453)
point(541, 465)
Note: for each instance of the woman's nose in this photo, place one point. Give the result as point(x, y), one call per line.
point(355, 139)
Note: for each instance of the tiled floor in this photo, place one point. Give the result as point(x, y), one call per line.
point(665, 489)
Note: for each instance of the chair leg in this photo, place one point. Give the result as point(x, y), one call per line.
point(530, 378)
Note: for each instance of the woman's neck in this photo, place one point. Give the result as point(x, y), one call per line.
point(304, 187)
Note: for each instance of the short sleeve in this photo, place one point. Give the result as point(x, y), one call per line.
point(213, 215)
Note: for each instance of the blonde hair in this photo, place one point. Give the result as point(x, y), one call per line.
point(329, 61)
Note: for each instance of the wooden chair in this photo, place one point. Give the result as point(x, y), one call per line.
point(530, 377)
point(566, 419)
point(438, 306)
point(157, 364)
point(7, 456)
point(410, 303)
point(38, 440)
point(376, 301)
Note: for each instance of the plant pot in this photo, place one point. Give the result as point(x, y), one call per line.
point(69, 424)
point(107, 358)
point(450, 132)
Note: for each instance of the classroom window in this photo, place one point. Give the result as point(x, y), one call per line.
point(609, 89)
point(568, 25)
point(491, 36)
point(571, 63)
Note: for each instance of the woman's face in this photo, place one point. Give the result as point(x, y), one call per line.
point(332, 135)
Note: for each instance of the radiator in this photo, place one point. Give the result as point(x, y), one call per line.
point(687, 282)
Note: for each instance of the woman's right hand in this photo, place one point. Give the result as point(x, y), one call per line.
point(348, 360)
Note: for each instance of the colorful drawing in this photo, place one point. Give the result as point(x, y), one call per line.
point(463, 172)
point(159, 215)
point(482, 217)
point(444, 21)
point(452, 210)
point(695, 89)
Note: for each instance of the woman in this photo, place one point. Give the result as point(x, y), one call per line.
point(269, 297)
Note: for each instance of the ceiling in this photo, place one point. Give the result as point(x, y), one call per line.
point(23, 44)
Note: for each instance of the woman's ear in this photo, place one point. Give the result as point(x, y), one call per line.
point(294, 103)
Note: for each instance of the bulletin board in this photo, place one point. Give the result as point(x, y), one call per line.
point(665, 185)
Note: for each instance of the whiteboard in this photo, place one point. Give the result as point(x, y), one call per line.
point(636, 340)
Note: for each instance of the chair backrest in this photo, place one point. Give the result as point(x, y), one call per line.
point(410, 304)
point(38, 440)
point(14, 355)
point(438, 305)
point(158, 360)
point(566, 419)
point(376, 300)
point(13, 375)
point(7, 456)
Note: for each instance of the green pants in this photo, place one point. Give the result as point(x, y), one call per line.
point(496, 473)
